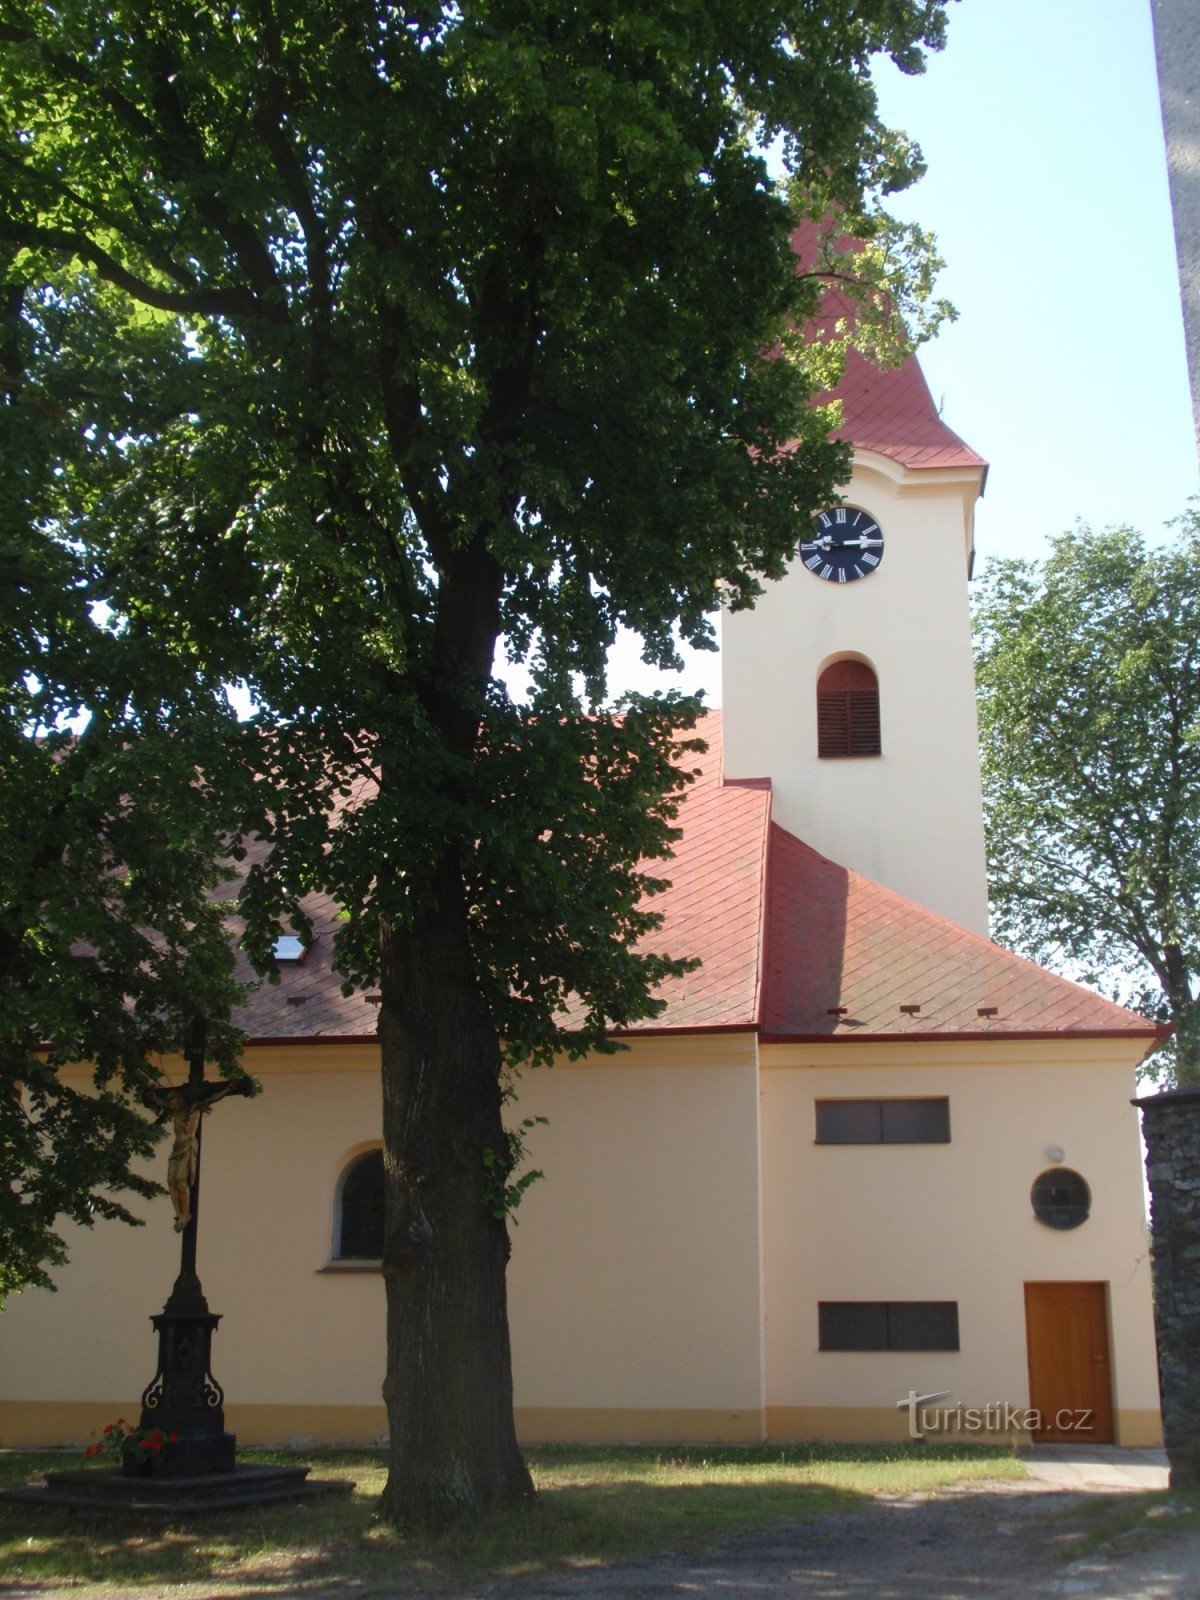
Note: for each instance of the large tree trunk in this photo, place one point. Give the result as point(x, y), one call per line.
point(448, 1390)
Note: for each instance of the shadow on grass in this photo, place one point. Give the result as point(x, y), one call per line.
point(594, 1505)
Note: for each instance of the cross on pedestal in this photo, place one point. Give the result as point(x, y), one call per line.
point(183, 1399)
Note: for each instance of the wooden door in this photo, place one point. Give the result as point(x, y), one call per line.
point(1070, 1379)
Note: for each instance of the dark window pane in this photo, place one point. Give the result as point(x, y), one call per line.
point(848, 710)
point(360, 1234)
point(848, 1122)
point(852, 1325)
point(886, 1121)
point(1060, 1198)
point(833, 725)
point(848, 724)
point(923, 1325)
point(863, 713)
point(916, 1121)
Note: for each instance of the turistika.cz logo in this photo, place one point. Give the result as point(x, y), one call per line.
point(998, 1417)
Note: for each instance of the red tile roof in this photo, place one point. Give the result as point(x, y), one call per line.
point(888, 410)
point(786, 939)
point(847, 958)
point(714, 907)
point(891, 412)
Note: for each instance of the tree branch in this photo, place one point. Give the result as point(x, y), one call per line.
point(233, 303)
point(175, 140)
point(78, 72)
point(401, 400)
point(54, 185)
point(174, 146)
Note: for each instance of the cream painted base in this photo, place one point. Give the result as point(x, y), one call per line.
point(37, 1424)
point(1135, 1430)
point(837, 1424)
point(636, 1425)
point(50, 1423)
point(1139, 1430)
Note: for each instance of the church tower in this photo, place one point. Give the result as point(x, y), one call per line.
point(851, 684)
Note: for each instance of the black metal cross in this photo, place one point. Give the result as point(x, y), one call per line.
point(183, 1400)
point(186, 1104)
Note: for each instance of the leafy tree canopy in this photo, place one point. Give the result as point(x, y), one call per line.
point(1089, 686)
point(110, 938)
point(346, 340)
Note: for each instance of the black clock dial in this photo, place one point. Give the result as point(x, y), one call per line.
point(845, 544)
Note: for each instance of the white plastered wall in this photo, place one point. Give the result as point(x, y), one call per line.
point(634, 1287)
point(951, 1221)
point(911, 818)
point(664, 1279)
point(290, 1333)
point(635, 1278)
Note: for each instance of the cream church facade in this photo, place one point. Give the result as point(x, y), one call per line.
point(864, 1155)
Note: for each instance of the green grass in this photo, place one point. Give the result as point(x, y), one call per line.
point(594, 1503)
point(1130, 1522)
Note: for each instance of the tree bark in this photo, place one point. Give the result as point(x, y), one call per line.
point(448, 1390)
point(1186, 1017)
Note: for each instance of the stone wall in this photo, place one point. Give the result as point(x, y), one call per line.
point(1171, 1123)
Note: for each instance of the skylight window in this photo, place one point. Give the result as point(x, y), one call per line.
point(290, 948)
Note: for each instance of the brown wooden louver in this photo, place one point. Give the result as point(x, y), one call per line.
point(848, 710)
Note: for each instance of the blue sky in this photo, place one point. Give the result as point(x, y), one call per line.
point(1047, 189)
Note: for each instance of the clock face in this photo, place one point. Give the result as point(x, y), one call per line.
point(845, 544)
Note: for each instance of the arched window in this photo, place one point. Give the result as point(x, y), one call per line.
point(358, 1221)
point(848, 710)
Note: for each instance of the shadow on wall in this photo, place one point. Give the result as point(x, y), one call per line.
point(806, 940)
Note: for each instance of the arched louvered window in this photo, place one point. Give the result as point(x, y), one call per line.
point(358, 1224)
point(848, 710)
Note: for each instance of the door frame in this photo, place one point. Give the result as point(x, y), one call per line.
point(1095, 1379)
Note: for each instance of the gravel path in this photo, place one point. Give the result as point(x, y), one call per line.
point(995, 1542)
point(1036, 1539)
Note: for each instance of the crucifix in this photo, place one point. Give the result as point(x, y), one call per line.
point(183, 1399)
point(185, 1104)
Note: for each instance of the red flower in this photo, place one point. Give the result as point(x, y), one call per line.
point(92, 1450)
point(108, 1428)
point(172, 1438)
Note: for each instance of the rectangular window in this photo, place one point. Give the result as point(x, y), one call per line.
point(888, 1325)
point(883, 1121)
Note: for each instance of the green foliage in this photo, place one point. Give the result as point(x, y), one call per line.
point(504, 1192)
point(1090, 719)
point(343, 341)
point(110, 936)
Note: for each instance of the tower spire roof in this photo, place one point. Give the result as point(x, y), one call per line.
point(885, 409)
point(891, 412)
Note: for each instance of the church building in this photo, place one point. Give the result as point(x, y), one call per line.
point(867, 1175)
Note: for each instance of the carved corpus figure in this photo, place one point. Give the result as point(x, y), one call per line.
point(184, 1104)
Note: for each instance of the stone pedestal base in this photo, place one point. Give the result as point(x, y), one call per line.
point(108, 1489)
point(188, 1456)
